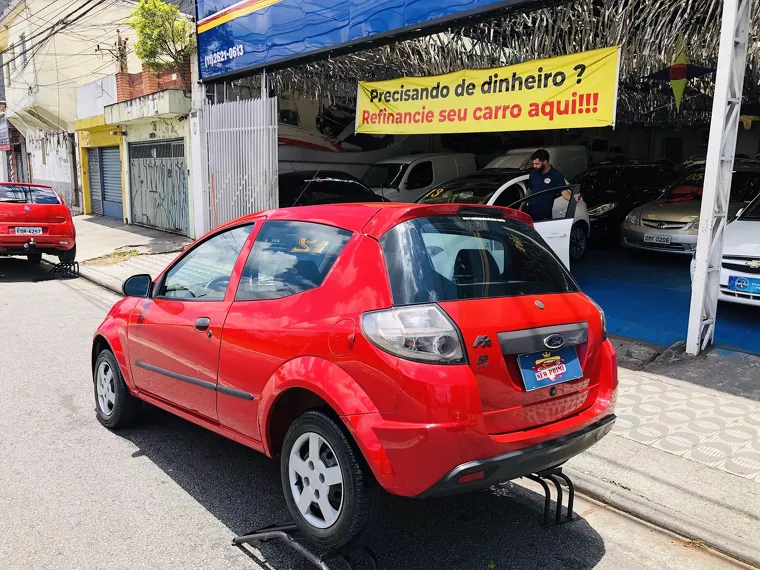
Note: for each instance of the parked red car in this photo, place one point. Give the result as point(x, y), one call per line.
point(34, 220)
point(421, 349)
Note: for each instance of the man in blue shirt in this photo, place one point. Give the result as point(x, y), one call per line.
point(544, 177)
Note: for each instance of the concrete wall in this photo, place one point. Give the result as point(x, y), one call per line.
point(94, 96)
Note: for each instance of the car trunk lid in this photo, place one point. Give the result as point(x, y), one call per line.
point(497, 331)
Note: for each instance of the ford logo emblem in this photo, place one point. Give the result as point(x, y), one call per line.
point(554, 341)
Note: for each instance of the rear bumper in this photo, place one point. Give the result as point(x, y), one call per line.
point(521, 462)
point(21, 245)
point(414, 459)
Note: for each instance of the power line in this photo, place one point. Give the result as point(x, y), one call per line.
point(64, 22)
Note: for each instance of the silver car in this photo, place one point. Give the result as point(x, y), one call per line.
point(671, 222)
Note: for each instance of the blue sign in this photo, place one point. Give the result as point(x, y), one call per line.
point(235, 36)
point(549, 367)
point(744, 284)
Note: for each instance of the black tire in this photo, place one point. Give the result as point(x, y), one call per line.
point(67, 255)
point(362, 497)
point(124, 408)
point(34, 258)
point(578, 242)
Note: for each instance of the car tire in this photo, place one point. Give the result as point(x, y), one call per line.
point(115, 407)
point(355, 502)
point(578, 242)
point(67, 255)
point(34, 258)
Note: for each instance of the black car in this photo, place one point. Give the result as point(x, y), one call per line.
point(612, 190)
point(317, 187)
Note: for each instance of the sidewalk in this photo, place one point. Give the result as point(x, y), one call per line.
point(109, 251)
point(683, 457)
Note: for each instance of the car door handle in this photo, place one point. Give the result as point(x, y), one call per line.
point(556, 235)
point(202, 324)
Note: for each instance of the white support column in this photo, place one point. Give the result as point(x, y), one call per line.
point(729, 82)
point(198, 182)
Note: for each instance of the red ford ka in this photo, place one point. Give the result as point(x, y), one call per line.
point(33, 221)
point(421, 349)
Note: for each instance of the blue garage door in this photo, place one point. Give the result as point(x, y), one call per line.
point(105, 181)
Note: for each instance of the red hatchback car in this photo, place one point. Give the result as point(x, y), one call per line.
point(34, 220)
point(421, 349)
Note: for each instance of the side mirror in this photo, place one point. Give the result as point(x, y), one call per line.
point(138, 286)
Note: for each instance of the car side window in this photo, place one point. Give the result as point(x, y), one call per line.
point(289, 258)
point(204, 272)
point(509, 196)
point(421, 176)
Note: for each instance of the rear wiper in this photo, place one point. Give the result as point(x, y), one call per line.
point(19, 201)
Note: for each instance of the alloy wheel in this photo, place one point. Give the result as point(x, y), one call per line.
point(316, 480)
point(578, 243)
point(106, 388)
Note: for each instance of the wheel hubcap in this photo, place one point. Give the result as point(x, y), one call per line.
point(106, 389)
point(577, 243)
point(316, 480)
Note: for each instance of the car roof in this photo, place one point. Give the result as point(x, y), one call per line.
point(373, 219)
point(310, 174)
point(740, 165)
point(410, 158)
point(29, 184)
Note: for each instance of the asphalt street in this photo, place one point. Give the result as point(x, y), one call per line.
point(166, 494)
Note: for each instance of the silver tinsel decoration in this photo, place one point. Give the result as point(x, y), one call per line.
point(649, 31)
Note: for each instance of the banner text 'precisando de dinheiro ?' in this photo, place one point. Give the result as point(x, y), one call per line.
point(573, 91)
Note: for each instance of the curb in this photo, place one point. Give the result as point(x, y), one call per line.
point(93, 277)
point(662, 517)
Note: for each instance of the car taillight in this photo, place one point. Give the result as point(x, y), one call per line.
point(423, 333)
point(603, 317)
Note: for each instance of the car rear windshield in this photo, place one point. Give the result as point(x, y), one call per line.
point(449, 258)
point(28, 195)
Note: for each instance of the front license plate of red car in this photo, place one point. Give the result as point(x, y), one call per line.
point(549, 367)
point(28, 231)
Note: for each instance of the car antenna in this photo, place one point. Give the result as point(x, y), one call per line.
point(305, 188)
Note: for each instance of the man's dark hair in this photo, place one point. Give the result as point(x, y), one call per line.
point(541, 154)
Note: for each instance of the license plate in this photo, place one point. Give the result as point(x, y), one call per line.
point(744, 284)
point(653, 238)
point(28, 231)
point(549, 367)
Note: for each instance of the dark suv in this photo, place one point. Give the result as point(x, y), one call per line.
point(612, 190)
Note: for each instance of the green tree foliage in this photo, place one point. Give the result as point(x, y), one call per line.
point(165, 38)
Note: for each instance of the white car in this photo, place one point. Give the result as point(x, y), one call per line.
point(504, 187)
point(740, 267)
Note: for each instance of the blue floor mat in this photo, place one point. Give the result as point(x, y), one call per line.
point(647, 297)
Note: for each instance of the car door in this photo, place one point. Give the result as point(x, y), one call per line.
point(270, 321)
point(556, 233)
point(174, 337)
point(419, 180)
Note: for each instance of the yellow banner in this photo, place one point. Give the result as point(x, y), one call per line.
point(571, 91)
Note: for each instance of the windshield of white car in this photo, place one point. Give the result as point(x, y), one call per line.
point(385, 175)
point(752, 212)
point(745, 185)
point(520, 161)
